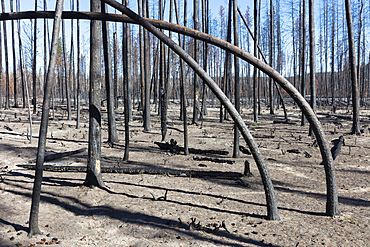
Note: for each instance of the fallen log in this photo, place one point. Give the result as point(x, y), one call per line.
point(175, 149)
point(216, 160)
point(264, 136)
point(133, 171)
point(278, 121)
point(56, 156)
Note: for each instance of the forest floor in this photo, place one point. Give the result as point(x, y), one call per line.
point(157, 210)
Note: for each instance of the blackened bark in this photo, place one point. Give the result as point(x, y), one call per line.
point(255, 79)
point(352, 60)
point(303, 61)
point(78, 71)
point(196, 109)
point(68, 94)
point(312, 58)
point(7, 92)
point(93, 175)
point(126, 83)
point(112, 131)
point(34, 63)
point(236, 153)
point(146, 71)
point(14, 61)
point(33, 221)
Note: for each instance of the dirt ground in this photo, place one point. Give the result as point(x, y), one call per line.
point(158, 210)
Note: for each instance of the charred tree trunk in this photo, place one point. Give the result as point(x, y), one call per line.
point(112, 131)
point(78, 71)
point(93, 176)
point(352, 60)
point(303, 61)
point(255, 78)
point(68, 94)
point(146, 70)
point(271, 55)
point(182, 81)
point(14, 61)
point(33, 221)
point(312, 58)
point(196, 109)
point(34, 64)
point(236, 77)
point(126, 83)
point(7, 92)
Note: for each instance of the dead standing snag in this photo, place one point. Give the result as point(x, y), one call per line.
point(33, 222)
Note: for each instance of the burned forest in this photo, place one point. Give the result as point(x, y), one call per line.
point(178, 123)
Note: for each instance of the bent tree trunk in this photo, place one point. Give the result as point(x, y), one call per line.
point(332, 196)
point(93, 175)
point(272, 212)
point(33, 222)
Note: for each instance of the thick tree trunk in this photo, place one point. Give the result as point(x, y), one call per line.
point(33, 221)
point(352, 60)
point(93, 176)
point(112, 131)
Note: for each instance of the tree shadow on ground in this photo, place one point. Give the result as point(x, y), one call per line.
point(139, 219)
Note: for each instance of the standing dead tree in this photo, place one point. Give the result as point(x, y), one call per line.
point(352, 61)
point(93, 175)
point(36, 192)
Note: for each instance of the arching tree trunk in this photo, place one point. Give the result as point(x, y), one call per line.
point(352, 60)
point(33, 221)
point(93, 176)
point(272, 212)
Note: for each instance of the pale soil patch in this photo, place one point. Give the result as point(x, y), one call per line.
point(128, 214)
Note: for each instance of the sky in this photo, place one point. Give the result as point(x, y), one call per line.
point(27, 5)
